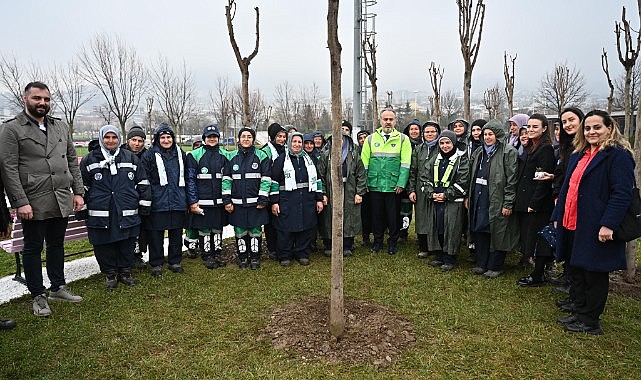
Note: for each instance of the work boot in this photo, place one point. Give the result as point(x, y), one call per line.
point(254, 264)
point(125, 278)
point(176, 268)
point(111, 281)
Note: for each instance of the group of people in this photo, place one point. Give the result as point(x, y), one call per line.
point(470, 183)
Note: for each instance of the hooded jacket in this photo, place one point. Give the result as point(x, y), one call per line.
point(387, 163)
point(501, 187)
point(171, 197)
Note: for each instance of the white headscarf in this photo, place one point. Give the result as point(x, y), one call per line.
point(109, 155)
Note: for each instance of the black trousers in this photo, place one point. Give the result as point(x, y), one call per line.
point(592, 292)
point(293, 245)
point(491, 260)
point(115, 257)
point(385, 208)
point(35, 233)
point(157, 247)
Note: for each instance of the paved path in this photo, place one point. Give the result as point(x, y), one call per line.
point(74, 270)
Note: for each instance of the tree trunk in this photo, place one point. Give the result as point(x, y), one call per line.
point(374, 102)
point(245, 90)
point(336, 312)
point(467, 88)
point(627, 98)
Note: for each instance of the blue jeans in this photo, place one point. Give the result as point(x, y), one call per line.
point(35, 233)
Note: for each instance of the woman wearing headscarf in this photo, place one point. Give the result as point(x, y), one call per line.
point(475, 140)
point(296, 202)
point(205, 169)
point(116, 193)
point(595, 196)
point(517, 122)
point(164, 163)
point(413, 131)
point(246, 187)
point(491, 201)
point(421, 155)
point(354, 187)
point(534, 202)
point(460, 127)
point(443, 189)
point(274, 148)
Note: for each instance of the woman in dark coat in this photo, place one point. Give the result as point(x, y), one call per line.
point(205, 168)
point(354, 187)
point(442, 186)
point(594, 197)
point(421, 155)
point(491, 201)
point(534, 203)
point(246, 187)
point(297, 201)
point(164, 163)
point(116, 192)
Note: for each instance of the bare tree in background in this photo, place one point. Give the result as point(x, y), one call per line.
point(105, 113)
point(114, 69)
point(493, 99)
point(606, 71)
point(451, 106)
point(14, 78)
point(243, 62)
point(310, 108)
point(627, 59)
point(436, 79)
point(70, 91)
point(284, 101)
point(150, 110)
point(175, 92)
point(470, 29)
point(618, 103)
point(562, 87)
point(336, 313)
point(508, 74)
point(256, 108)
point(368, 47)
point(222, 102)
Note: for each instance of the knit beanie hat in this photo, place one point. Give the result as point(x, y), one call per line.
point(136, 131)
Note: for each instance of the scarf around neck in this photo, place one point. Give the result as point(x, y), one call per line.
point(162, 172)
point(290, 173)
point(110, 160)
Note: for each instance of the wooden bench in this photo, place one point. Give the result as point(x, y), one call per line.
point(76, 230)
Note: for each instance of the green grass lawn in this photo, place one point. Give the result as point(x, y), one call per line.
point(205, 324)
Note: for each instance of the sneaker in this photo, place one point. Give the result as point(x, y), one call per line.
point(254, 264)
point(244, 263)
point(567, 320)
point(478, 270)
point(581, 327)
point(41, 306)
point(7, 324)
point(125, 278)
point(347, 253)
point(435, 263)
point(210, 263)
point(156, 271)
point(529, 282)
point(176, 268)
point(377, 247)
point(423, 255)
point(447, 267)
point(111, 281)
point(285, 263)
point(64, 294)
point(391, 249)
point(492, 273)
point(304, 262)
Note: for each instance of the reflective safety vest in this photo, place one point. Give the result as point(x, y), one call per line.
point(445, 180)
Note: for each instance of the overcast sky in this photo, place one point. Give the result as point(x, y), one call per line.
point(293, 34)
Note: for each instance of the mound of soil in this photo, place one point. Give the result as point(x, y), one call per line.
point(373, 333)
point(619, 285)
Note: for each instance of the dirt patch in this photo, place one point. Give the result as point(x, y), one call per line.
point(373, 333)
point(619, 285)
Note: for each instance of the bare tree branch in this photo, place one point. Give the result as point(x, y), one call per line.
point(562, 87)
point(508, 74)
point(436, 79)
point(70, 91)
point(470, 27)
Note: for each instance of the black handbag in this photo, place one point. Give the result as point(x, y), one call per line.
point(630, 227)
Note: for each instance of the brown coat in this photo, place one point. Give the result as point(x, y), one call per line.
point(37, 169)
